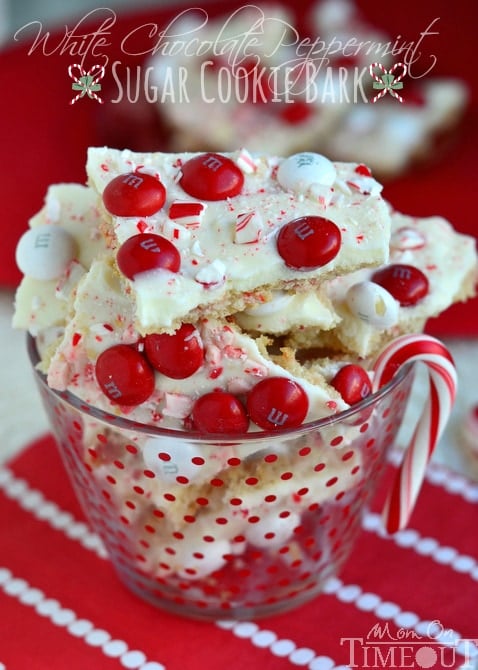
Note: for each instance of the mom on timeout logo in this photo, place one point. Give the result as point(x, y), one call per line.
point(435, 648)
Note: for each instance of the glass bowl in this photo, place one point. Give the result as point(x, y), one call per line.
point(218, 526)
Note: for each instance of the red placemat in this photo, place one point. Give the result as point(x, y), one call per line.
point(407, 601)
point(44, 138)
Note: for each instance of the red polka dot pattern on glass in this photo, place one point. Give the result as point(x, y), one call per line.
point(202, 526)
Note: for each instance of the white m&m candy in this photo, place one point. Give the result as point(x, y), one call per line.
point(44, 252)
point(302, 172)
point(372, 304)
point(169, 461)
point(272, 530)
point(199, 559)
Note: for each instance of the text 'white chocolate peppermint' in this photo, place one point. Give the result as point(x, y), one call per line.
point(44, 252)
point(373, 304)
point(301, 172)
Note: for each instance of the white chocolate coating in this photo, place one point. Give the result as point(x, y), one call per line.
point(216, 270)
point(448, 260)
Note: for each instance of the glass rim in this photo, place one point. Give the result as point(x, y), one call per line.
point(119, 422)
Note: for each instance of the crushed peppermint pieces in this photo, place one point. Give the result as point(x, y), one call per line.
point(249, 227)
point(188, 213)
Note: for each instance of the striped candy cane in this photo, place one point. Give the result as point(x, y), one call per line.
point(380, 79)
point(97, 72)
point(442, 382)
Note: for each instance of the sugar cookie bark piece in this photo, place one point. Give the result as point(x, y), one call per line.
point(385, 134)
point(235, 249)
point(446, 258)
point(288, 311)
point(349, 41)
point(43, 304)
point(233, 360)
point(389, 135)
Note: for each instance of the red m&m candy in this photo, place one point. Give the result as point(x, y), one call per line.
point(353, 383)
point(308, 242)
point(147, 251)
point(277, 402)
point(405, 283)
point(124, 375)
point(178, 355)
point(211, 177)
point(134, 194)
point(219, 412)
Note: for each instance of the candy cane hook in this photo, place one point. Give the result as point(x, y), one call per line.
point(442, 380)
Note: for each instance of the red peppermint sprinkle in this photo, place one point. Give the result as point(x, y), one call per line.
point(353, 383)
point(144, 252)
point(309, 242)
point(405, 283)
point(219, 412)
point(178, 355)
point(249, 227)
point(277, 402)
point(134, 194)
point(363, 170)
point(211, 176)
point(124, 375)
point(187, 213)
